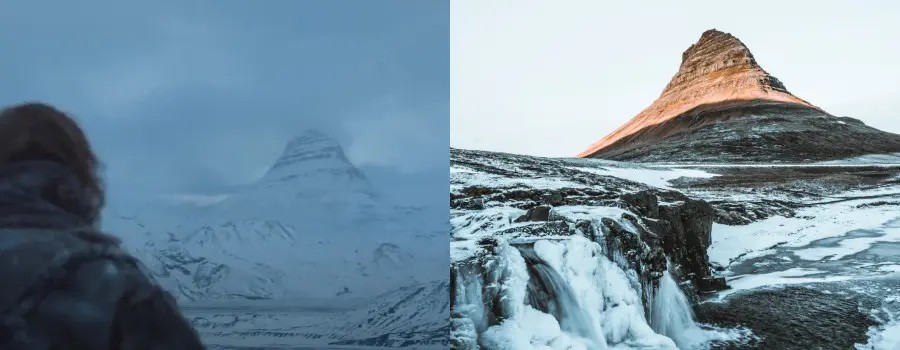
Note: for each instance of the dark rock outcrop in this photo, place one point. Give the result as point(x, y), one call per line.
point(541, 229)
point(648, 260)
point(743, 213)
point(538, 213)
point(682, 227)
point(793, 317)
point(469, 199)
point(722, 106)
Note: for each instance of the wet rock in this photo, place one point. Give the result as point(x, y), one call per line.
point(743, 213)
point(477, 191)
point(467, 203)
point(711, 284)
point(543, 229)
point(526, 197)
point(681, 226)
point(553, 198)
point(648, 261)
point(586, 229)
point(792, 318)
point(687, 235)
point(643, 202)
point(538, 213)
point(878, 204)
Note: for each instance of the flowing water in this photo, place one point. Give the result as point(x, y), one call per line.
point(671, 314)
point(567, 294)
point(550, 293)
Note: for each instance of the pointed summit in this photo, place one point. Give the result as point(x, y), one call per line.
point(311, 146)
point(314, 159)
point(718, 86)
point(721, 58)
point(717, 68)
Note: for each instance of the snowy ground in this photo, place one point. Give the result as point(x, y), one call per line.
point(598, 300)
point(272, 326)
point(811, 224)
point(841, 239)
point(850, 242)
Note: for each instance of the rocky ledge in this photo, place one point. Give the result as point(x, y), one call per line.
point(520, 198)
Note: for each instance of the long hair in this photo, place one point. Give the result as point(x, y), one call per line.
point(36, 131)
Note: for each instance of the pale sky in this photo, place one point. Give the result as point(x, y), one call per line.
point(551, 77)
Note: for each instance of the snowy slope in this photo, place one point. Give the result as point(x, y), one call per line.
point(312, 227)
point(416, 314)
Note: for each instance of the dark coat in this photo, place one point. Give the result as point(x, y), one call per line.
point(64, 285)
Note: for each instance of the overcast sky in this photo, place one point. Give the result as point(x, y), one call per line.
point(192, 95)
point(551, 77)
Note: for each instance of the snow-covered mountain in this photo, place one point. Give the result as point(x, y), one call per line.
point(312, 182)
point(312, 227)
point(313, 164)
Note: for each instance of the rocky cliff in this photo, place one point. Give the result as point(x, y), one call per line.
point(560, 246)
point(722, 106)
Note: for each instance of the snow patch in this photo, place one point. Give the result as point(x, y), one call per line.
point(808, 225)
point(883, 338)
point(660, 178)
point(790, 276)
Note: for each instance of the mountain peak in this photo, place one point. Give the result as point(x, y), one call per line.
point(313, 159)
point(310, 145)
point(311, 138)
point(715, 41)
point(718, 68)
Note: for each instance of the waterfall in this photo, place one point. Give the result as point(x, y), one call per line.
point(671, 314)
point(548, 292)
point(569, 295)
point(565, 294)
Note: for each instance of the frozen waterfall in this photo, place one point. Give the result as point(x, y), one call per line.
point(567, 294)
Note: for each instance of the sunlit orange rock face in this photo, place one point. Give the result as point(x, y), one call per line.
point(722, 107)
point(717, 70)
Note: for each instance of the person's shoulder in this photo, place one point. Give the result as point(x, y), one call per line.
point(75, 280)
point(99, 262)
point(33, 260)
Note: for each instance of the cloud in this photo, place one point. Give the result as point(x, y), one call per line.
point(183, 96)
point(187, 55)
point(413, 145)
point(393, 131)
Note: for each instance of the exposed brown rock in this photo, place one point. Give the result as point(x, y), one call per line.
point(718, 82)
